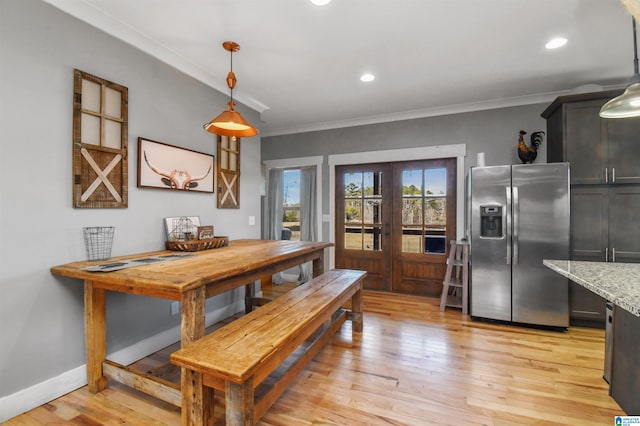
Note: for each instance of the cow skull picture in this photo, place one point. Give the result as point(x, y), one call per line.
point(177, 179)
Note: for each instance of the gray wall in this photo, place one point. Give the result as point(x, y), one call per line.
point(494, 132)
point(41, 316)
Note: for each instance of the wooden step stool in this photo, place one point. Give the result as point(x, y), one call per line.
point(455, 287)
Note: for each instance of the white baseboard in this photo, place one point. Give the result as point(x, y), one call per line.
point(43, 392)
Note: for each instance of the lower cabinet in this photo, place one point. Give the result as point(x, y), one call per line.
point(585, 307)
point(604, 228)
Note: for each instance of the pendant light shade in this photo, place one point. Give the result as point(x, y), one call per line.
point(624, 106)
point(628, 104)
point(230, 122)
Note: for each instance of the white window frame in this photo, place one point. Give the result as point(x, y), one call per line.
point(296, 163)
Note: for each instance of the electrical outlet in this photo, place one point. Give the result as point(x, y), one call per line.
point(252, 220)
point(175, 308)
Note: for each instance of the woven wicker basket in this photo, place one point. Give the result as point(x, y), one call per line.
point(197, 245)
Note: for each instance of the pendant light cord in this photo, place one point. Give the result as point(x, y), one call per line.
point(231, 52)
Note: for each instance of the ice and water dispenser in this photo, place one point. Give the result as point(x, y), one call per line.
point(491, 221)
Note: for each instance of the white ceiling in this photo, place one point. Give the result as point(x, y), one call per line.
point(299, 64)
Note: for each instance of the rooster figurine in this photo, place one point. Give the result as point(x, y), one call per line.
point(528, 154)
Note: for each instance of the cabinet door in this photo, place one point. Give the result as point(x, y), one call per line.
point(586, 142)
point(624, 150)
point(589, 223)
point(624, 223)
point(589, 239)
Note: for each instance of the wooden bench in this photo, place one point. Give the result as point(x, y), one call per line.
point(254, 358)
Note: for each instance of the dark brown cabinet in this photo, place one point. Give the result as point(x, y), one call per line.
point(605, 187)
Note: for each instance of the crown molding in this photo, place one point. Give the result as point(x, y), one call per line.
point(97, 18)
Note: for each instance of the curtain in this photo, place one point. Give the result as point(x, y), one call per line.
point(275, 200)
point(308, 217)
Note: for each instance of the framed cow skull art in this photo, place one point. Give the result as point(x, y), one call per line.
point(165, 166)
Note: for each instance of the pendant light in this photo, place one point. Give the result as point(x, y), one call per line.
point(230, 122)
point(628, 104)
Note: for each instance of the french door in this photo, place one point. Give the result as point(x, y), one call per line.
point(394, 220)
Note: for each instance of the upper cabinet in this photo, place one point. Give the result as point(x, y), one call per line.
point(601, 151)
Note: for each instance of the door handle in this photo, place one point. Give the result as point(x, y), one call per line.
point(613, 174)
point(506, 219)
point(606, 254)
point(516, 224)
point(606, 175)
point(613, 254)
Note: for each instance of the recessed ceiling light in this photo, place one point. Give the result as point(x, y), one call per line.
point(321, 2)
point(367, 77)
point(555, 43)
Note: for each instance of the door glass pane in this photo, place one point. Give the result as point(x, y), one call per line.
point(353, 211)
point(372, 210)
point(352, 185)
point(352, 238)
point(435, 212)
point(411, 182)
point(412, 211)
point(435, 181)
point(411, 239)
point(371, 238)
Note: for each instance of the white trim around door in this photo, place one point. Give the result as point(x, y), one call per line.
point(459, 151)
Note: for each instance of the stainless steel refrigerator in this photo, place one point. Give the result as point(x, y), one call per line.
point(517, 216)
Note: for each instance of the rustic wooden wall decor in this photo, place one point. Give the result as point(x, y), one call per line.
point(228, 172)
point(165, 166)
point(100, 133)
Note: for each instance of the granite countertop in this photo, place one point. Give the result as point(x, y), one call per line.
point(618, 283)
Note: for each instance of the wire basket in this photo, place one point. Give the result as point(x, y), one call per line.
point(98, 241)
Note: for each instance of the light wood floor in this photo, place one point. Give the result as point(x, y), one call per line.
point(412, 366)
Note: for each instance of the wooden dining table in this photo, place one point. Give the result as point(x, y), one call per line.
point(190, 280)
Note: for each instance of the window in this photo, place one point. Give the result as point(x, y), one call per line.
point(291, 204)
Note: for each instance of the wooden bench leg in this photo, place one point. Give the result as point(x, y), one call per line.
point(239, 403)
point(197, 400)
point(356, 309)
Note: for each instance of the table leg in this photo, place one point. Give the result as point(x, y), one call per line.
point(95, 312)
point(356, 311)
point(318, 264)
point(249, 295)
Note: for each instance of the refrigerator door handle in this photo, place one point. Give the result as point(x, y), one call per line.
point(516, 224)
point(506, 219)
